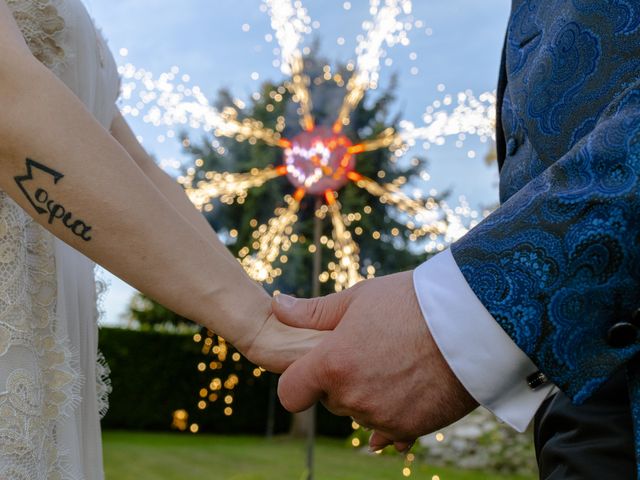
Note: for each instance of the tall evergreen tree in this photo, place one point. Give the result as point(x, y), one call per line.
point(382, 237)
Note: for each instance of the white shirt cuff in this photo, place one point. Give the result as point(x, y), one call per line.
point(480, 353)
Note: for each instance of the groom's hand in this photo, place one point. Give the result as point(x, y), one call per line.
point(380, 365)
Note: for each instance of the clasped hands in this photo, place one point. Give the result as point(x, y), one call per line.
point(378, 362)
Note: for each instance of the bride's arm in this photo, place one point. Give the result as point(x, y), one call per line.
point(76, 180)
point(168, 186)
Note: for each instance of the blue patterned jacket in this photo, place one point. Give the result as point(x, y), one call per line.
point(558, 264)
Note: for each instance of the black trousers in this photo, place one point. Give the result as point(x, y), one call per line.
point(589, 441)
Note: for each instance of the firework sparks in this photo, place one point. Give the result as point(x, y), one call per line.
point(471, 116)
point(391, 194)
point(228, 187)
point(299, 87)
point(320, 160)
point(387, 139)
point(451, 224)
point(290, 23)
point(346, 270)
point(384, 30)
point(162, 102)
point(271, 239)
point(247, 129)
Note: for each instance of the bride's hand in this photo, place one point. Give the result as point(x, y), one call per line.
point(276, 346)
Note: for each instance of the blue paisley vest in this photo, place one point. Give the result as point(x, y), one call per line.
point(558, 264)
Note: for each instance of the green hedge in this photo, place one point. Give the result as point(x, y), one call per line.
point(153, 374)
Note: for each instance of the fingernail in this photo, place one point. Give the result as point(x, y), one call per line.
point(375, 447)
point(285, 301)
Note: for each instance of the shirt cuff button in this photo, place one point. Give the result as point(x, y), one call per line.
point(536, 380)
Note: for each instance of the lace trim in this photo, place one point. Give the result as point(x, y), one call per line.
point(103, 382)
point(40, 382)
point(44, 30)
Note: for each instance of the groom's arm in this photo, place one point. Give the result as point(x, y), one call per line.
point(490, 365)
point(557, 267)
point(543, 284)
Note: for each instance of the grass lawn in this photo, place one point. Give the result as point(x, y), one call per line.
point(150, 456)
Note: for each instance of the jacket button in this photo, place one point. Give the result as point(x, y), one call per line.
point(622, 334)
point(536, 380)
point(512, 146)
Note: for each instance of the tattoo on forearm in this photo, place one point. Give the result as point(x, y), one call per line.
point(42, 201)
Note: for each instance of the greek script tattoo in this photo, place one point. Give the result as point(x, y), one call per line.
point(41, 200)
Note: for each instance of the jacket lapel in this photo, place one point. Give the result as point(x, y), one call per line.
point(501, 144)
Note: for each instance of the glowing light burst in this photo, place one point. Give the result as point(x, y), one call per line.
point(228, 187)
point(290, 23)
point(345, 271)
point(271, 240)
point(471, 116)
point(387, 139)
point(385, 29)
point(392, 194)
point(320, 160)
point(246, 129)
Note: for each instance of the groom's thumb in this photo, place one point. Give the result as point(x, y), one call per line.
point(299, 387)
point(322, 313)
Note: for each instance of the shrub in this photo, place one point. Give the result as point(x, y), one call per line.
point(154, 374)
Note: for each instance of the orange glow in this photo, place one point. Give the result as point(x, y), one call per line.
point(281, 170)
point(388, 138)
point(318, 161)
point(354, 150)
point(338, 126)
point(309, 124)
point(354, 176)
point(330, 197)
point(284, 143)
point(300, 90)
point(299, 195)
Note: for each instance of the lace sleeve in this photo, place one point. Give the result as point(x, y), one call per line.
point(43, 29)
point(40, 379)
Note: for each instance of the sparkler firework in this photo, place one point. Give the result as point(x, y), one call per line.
point(320, 160)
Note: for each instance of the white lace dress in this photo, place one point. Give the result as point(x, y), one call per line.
point(52, 388)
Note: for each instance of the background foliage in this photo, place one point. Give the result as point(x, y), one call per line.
point(154, 373)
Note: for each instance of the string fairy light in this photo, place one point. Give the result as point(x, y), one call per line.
point(220, 388)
